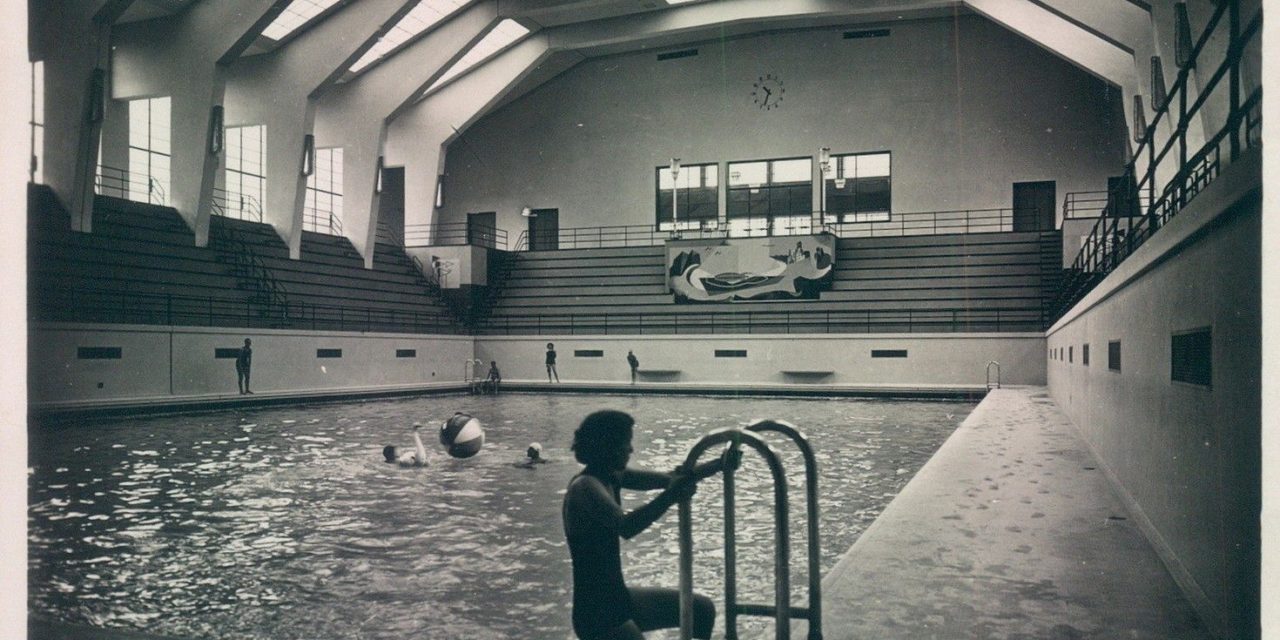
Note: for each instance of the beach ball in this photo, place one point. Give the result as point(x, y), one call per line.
point(462, 435)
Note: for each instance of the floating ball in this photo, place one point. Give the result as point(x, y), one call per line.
point(462, 436)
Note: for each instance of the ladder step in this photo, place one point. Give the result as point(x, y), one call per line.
point(768, 610)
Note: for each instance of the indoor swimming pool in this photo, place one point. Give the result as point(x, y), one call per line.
point(285, 522)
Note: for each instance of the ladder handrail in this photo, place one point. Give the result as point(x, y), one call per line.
point(811, 508)
point(782, 552)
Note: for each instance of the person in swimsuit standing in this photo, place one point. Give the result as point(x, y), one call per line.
point(604, 608)
point(551, 362)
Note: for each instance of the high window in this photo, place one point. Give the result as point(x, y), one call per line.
point(414, 23)
point(246, 179)
point(858, 187)
point(697, 196)
point(37, 122)
point(295, 16)
point(149, 150)
point(322, 212)
point(770, 196)
point(505, 33)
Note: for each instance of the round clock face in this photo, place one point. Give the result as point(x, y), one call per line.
point(767, 92)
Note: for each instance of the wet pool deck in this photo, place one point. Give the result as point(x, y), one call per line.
point(1011, 530)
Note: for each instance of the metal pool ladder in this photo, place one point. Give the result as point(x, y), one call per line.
point(996, 385)
point(781, 609)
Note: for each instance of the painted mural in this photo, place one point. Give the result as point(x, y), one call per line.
point(777, 268)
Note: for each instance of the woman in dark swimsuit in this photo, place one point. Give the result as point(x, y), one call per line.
point(604, 608)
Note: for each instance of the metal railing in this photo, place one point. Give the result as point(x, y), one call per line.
point(454, 234)
point(231, 204)
point(1114, 238)
point(746, 322)
point(322, 222)
point(781, 610)
point(955, 221)
point(123, 184)
point(125, 307)
point(247, 266)
point(1088, 205)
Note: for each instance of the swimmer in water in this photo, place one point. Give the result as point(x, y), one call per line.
point(416, 458)
point(532, 457)
point(604, 608)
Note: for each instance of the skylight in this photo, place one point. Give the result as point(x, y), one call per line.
point(505, 33)
point(419, 19)
point(298, 13)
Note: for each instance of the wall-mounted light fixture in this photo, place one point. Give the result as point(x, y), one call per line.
point(1182, 35)
point(1159, 95)
point(824, 165)
point(97, 94)
point(215, 130)
point(440, 191)
point(527, 212)
point(308, 154)
point(675, 186)
point(377, 178)
point(1139, 120)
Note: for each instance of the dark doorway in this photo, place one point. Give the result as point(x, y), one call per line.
point(544, 229)
point(1122, 197)
point(391, 206)
point(482, 228)
point(1034, 205)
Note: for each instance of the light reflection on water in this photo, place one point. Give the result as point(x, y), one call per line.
point(284, 523)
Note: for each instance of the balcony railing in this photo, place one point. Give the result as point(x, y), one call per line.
point(1089, 205)
point(321, 222)
point(117, 307)
point(455, 234)
point(126, 185)
point(231, 204)
point(1114, 238)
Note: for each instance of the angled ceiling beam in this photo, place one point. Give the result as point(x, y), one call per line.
point(185, 57)
point(354, 114)
point(278, 89)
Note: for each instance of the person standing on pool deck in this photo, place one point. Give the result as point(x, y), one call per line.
point(604, 608)
point(244, 360)
point(635, 364)
point(416, 458)
point(551, 362)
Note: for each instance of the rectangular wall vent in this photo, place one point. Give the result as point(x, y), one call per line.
point(1084, 354)
point(672, 55)
point(866, 33)
point(98, 353)
point(226, 354)
point(731, 353)
point(1113, 355)
point(888, 353)
point(406, 353)
point(588, 353)
point(1192, 359)
point(328, 353)
point(1071, 354)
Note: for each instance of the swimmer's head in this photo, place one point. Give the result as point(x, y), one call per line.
point(550, 345)
point(603, 440)
point(247, 342)
point(389, 452)
point(534, 452)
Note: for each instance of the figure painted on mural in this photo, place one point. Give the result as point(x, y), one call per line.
point(244, 362)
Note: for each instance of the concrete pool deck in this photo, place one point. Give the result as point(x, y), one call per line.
point(1011, 530)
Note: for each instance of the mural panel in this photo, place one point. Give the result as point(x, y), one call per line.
point(776, 268)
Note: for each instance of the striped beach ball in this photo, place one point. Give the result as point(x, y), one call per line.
point(462, 435)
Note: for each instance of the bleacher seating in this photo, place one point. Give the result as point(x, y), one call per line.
point(973, 282)
point(140, 265)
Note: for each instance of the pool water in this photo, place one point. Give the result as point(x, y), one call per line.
point(285, 523)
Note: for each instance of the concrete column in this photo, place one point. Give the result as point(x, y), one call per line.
point(72, 38)
point(353, 114)
point(279, 90)
point(185, 56)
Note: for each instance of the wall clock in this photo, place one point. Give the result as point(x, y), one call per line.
point(767, 92)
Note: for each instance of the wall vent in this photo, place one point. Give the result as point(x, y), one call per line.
point(731, 353)
point(588, 353)
point(672, 55)
point(1113, 355)
point(1192, 359)
point(1071, 354)
point(98, 353)
point(328, 353)
point(888, 353)
point(226, 354)
point(1084, 354)
point(866, 33)
point(406, 353)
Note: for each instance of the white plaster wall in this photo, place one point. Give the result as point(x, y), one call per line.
point(159, 362)
point(966, 107)
point(933, 359)
point(1186, 457)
